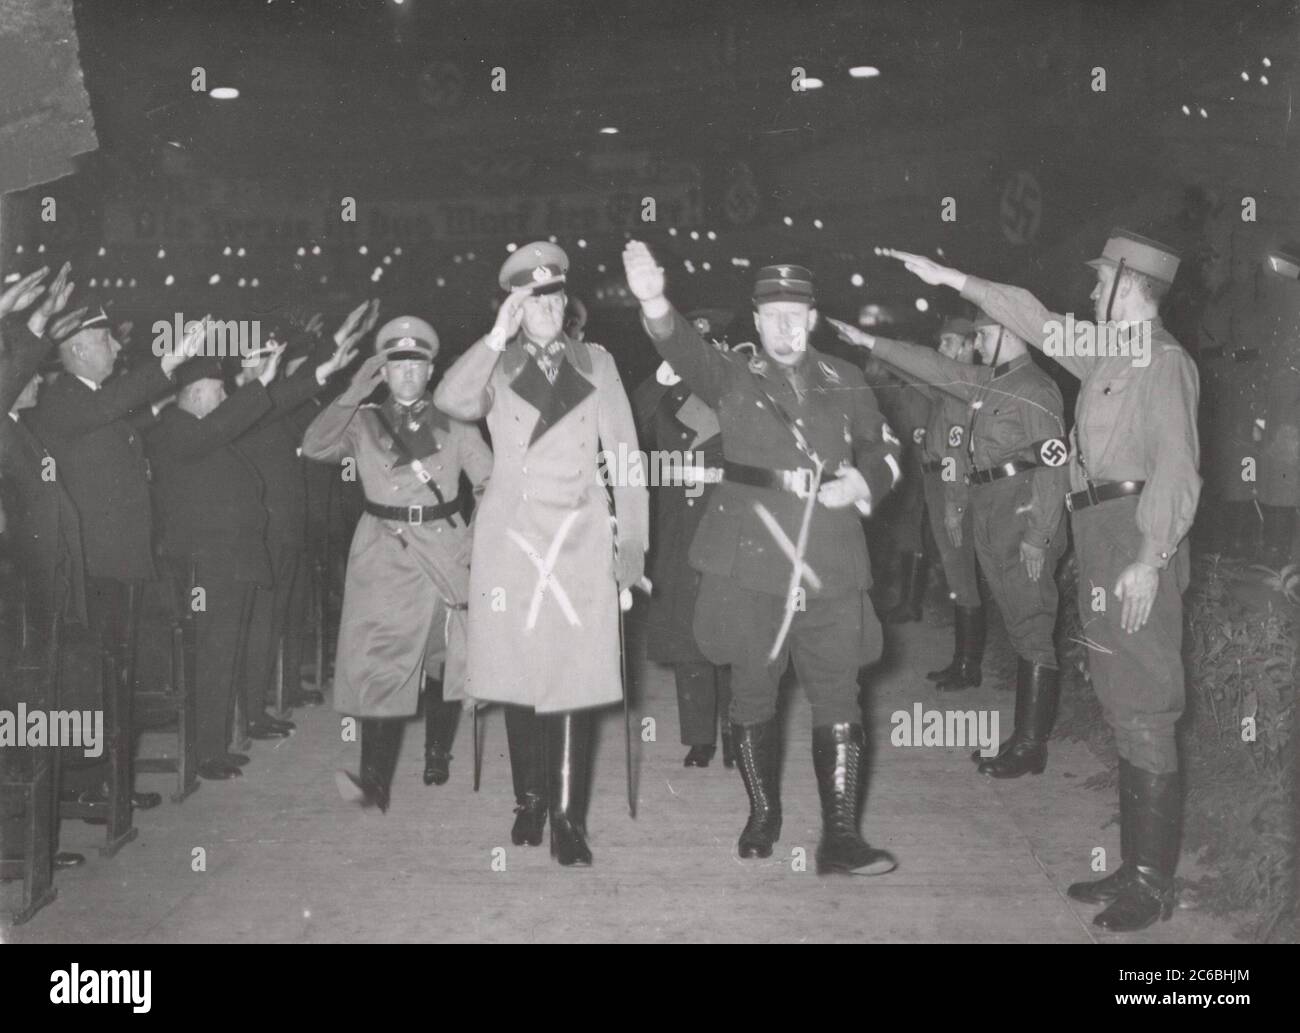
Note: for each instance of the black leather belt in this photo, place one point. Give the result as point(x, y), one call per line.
point(416, 515)
point(798, 481)
point(996, 473)
point(1078, 500)
point(934, 467)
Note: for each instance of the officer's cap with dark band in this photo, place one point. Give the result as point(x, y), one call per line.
point(406, 337)
point(540, 265)
point(1141, 254)
point(783, 283)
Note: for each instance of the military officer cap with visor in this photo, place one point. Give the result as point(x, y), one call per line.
point(541, 266)
point(784, 283)
point(406, 337)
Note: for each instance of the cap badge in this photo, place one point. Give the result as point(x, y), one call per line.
point(540, 274)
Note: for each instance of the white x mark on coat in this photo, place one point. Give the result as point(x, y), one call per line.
point(806, 573)
point(546, 578)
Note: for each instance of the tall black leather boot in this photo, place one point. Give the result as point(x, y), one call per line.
point(1106, 889)
point(1149, 894)
point(568, 747)
point(837, 758)
point(913, 573)
point(758, 757)
point(1038, 690)
point(381, 740)
point(966, 669)
point(526, 739)
point(440, 721)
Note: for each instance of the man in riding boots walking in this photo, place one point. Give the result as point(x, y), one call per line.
point(781, 548)
point(407, 583)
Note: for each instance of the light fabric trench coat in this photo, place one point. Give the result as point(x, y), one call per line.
point(543, 610)
point(404, 581)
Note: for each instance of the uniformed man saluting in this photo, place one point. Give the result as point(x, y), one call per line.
point(549, 563)
point(945, 464)
point(1015, 438)
point(781, 548)
point(408, 570)
point(1134, 489)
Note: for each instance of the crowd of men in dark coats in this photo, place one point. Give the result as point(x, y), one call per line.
point(172, 487)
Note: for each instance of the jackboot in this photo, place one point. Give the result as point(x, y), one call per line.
point(913, 574)
point(837, 759)
point(381, 739)
point(1106, 889)
point(1038, 690)
point(758, 757)
point(1149, 894)
point(440, 721)
point(966, 669)
point(525, 737)
point(568, 747)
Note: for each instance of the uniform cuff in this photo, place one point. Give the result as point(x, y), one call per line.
point(658, 327)
point(1154, 554)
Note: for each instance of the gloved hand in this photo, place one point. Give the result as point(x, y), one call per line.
point(631, 565)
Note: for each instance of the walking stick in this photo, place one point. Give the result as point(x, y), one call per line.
point(624, 596)
point(478, 754)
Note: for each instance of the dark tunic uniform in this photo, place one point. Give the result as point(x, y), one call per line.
point(746, 563)
point(1013, 415)
point(213, 538)
point(1132, 423)
point(271, 447)
point(944, 463)
point(43, 524)
point(906, 412)
point(678, 424)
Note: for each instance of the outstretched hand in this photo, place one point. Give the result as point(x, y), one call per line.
point(24, 293)
point(851, 334)
point(54, 302)
point(926, 268)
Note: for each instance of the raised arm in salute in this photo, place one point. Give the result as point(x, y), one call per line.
point(781, 550)
point(1134, 488)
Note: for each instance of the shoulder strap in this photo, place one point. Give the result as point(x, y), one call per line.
point(404, 454)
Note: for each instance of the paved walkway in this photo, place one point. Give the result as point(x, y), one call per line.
point(286, 860)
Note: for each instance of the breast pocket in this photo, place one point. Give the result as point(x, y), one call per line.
point(1108, 400)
